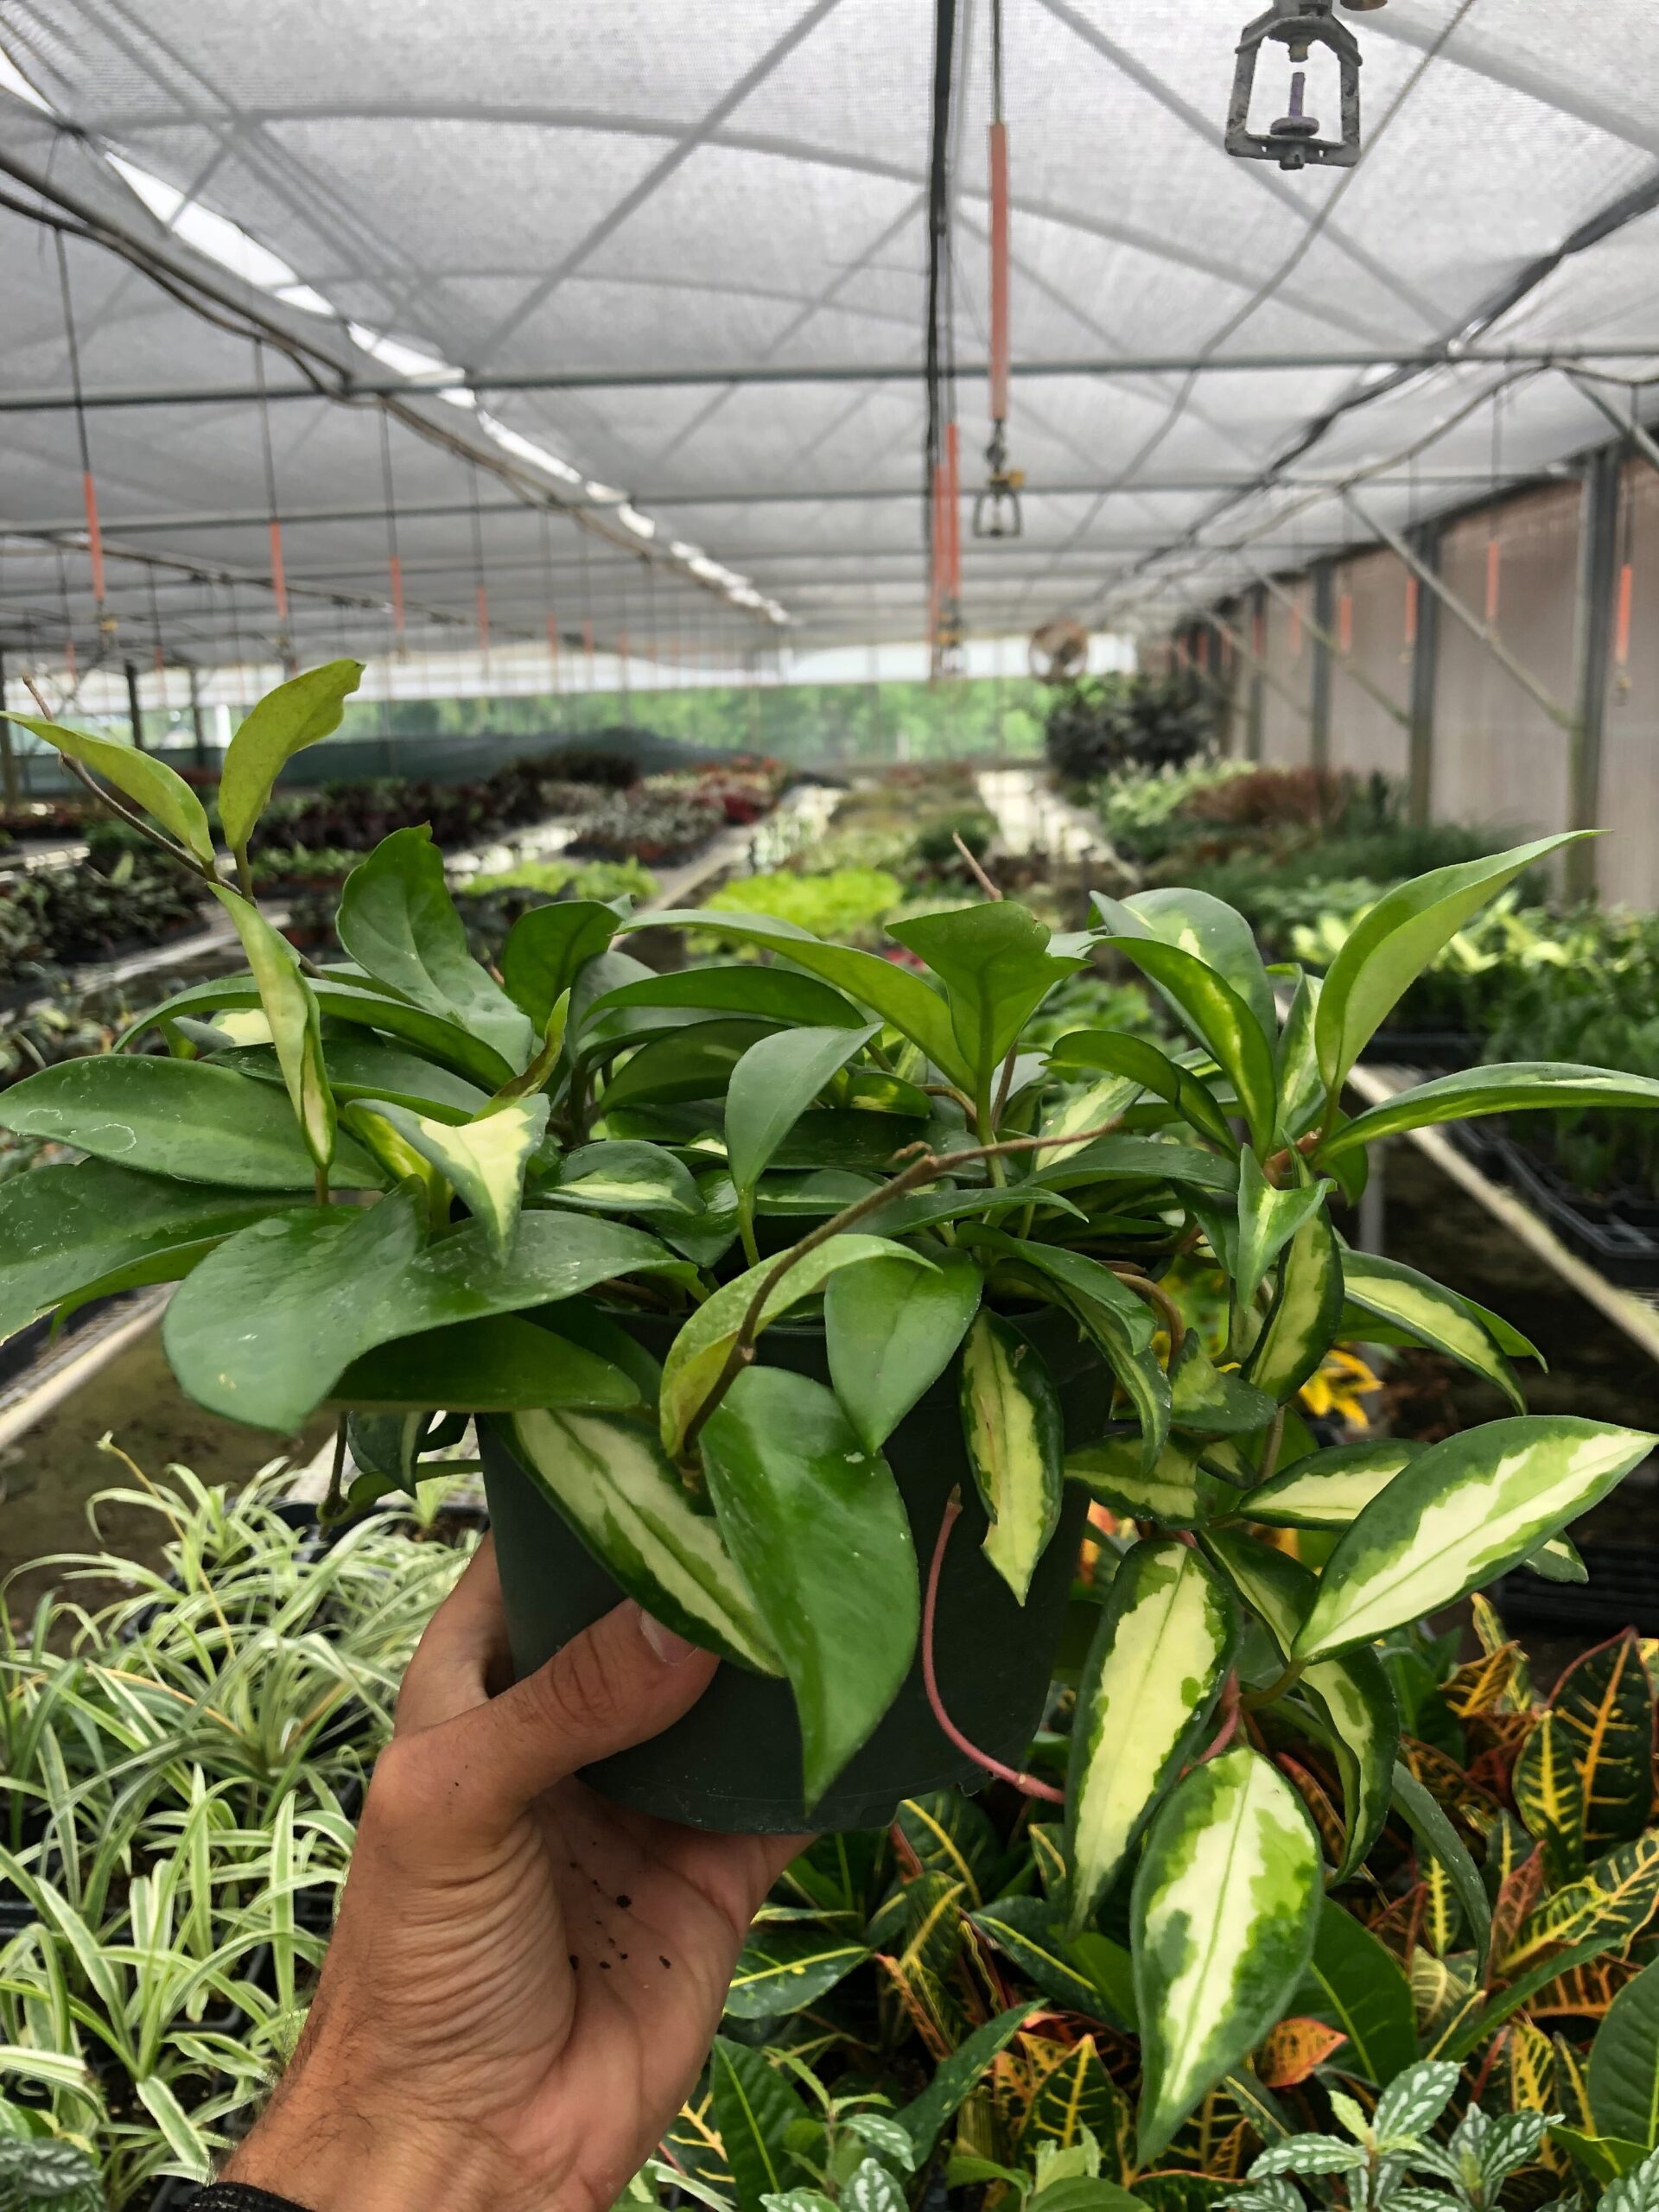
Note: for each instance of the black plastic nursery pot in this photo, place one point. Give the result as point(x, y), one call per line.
point(734, 1763)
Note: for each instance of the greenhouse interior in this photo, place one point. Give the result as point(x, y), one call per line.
point(829, 1062)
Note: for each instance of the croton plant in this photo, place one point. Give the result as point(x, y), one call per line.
point(419, 1188)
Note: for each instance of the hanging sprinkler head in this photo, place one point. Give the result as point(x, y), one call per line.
point(1294, 141)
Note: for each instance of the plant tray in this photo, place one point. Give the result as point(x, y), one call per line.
point(1624, 1254)
point(1622, 1591)
point(19, 1353)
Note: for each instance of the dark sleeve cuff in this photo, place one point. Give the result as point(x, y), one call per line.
point(236, 2196)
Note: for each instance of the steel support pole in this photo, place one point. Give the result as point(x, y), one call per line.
point(1349, 666)
point(1593, 652)
point(198, 725)
point(1256, 700)
point(134, 710)
point(1564, 717)
point(1324, 609)
point(1425, 676)
point(7, 758)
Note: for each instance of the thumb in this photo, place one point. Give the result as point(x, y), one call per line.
point(619, 1682)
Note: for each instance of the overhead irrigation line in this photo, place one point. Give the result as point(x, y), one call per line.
point(942, 502)
point(326, 376)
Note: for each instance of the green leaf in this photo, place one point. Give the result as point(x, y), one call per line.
point(1215, 1012)
point(295, 1026)
point(264, 1328)
point(1429, 1314)
point(359, 1002)
point(610, 1479)
point(1118, 1320)
point(1267, 1219)
point(1509, 1087)
point(754, 2108)
point(1091, 1109)
point(1133, 1059)
point(1423, 1816)
point(997, 969)
point(899, 996)
point(1607, 2158)
point(1274, 1586)
point(871, 2187)
point(1301, 1091)
point(1390, 947)
point(501, 1365)
point(947, 1833)
point(693, 1063)
point(361, 1067)
point(625, 1176)
point(772, 994)
point(1466, 1512)
point(295, 714)
point(1306, 1311)
point(1354, 1983)
point(819, 1534)
point(140, 776)
point(1550, 1799)
point(1557, 1560)
point(1356, 1700)
point(183, 1118)
point(771, 1086)
point(1604, 1705)
point(1624, 2063)
point(1330, 1488)
point(63, 1228)
point(1225, 1906)
point(1029, 1930)
point(545, 947)
point(699, 1352)
point(1148, 1690)
point(1076, 2095)
point(484, 1160)
point(1211, 1400)
point(923, 2119)
point(891, 1331)
point(1155, 1159)
point(1176, 1493)
point(1012, 1431)
point(397, 921)
point(1208, 928)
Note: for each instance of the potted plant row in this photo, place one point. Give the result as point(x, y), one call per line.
point(801, 1304)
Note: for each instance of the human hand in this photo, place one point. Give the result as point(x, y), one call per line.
point(524, 1979)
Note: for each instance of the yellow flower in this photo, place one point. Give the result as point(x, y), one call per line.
point(1342, 1380)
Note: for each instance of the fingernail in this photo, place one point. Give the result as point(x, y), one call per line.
point(668, 1647)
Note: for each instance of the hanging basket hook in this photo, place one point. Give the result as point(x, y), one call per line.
point(1294, 141)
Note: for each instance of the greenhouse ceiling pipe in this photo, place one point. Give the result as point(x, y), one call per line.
point(1562, 716)
point(1122, 365)
point(1626, 425)
point(801, 496)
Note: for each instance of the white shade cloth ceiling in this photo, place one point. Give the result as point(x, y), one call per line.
point(633, 189)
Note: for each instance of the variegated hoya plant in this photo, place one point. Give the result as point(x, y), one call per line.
point(418, 1188)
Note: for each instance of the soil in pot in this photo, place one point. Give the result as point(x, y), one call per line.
point(734, 1763)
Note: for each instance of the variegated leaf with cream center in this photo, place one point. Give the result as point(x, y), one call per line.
point(1330, 1488)
point(1225, 1906)
point(1430, 1315)
point(1011, 1427)
point(1177, 1493)
point(612, 1482)
point(1147, 1689)
point(1466, 1511)
point(484, 1159)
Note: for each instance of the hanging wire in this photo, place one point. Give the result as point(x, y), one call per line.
point(1626, 559)
point(394, 565)
point(88, 489)
point(481, 590)
point(1494, 552)
point(555, 657)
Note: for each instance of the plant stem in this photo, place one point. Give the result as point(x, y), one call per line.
point(333, 1505)
point(244, 872)
point(974, 868)
point(1254, 1700)
point(1276, 1437)
point(922, 1169)
point(1158, 1297)
point(1028, 1784)
point(320, 1185)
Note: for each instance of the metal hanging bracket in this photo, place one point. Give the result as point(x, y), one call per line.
point(1294, 141)
point(997, 510)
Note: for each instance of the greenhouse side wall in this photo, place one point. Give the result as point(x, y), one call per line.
point(1496, 755)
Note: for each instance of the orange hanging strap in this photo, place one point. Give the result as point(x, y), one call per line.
point(278, 573)
point(1494, 563)
point(953, 513)
point(1346, 622)
point(94, 534)
point(999, 165)
point(1411, 611)
point(1622, 627)
point(1296, 629)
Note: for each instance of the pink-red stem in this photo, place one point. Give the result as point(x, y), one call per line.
point(1026, 1782)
